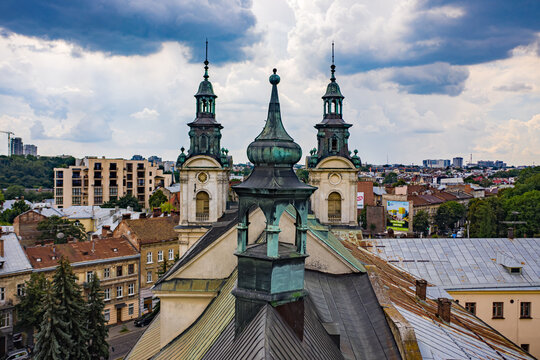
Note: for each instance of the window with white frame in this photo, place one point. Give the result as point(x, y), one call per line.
point(2, 294)
point(119, 290)
point(131, 289)
point(106, 273)
point(107, 314)
point(149, 277)
point(107, 294)
point(149, 257)
point(131, 309)
point(160, 255)
point(171, 254)
point(5, 319)
point(89, 275)
point(20, 289)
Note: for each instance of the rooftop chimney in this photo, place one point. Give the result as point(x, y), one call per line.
point(1, 247)
point(421, 286)
point(105, 231)
point(156, 212)
point(126, 216)
point(142, 216)
point(94, 236)
point(510, 233)
point(444, 309)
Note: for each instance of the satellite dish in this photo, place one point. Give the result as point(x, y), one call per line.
point(60, 235)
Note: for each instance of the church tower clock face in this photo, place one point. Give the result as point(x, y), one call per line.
point(202, 177)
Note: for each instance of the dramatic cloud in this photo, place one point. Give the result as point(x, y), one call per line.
point(125, 27)
point(438, 78)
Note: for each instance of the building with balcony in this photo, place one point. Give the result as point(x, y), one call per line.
point(114, 260)
point(94, 181)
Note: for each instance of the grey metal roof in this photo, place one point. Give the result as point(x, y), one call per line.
point(14, 256)
point(9, 203)
point(349, 301)
point(268, 337)
point(438, 340)
point(465, 263)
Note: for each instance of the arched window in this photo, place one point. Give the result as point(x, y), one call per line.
point(203, 206)
point(334, 144)
point(334, 106)
point(334, 207)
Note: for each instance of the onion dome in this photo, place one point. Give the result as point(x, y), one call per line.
point(273, 146)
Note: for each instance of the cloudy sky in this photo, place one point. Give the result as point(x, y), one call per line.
point(421, 79)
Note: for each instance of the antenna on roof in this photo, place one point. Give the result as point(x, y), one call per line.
point(206, 62)
point(333, 67)
point(206, 57)
point(332, 52)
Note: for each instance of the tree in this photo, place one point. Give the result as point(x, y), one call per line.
point(2, 198)
point(303, 175)
point(124, 202)
point(29, 309)
point(53, 340)
point(97, 346)
point(54, 225)
point(162, 269)
point(448, 214)
point(167, 207)
point(421, 222)
point(73, 310)
point(156, 199)
point(485, 216)
point(18, 208)
point(390, 178)
point(14, 192)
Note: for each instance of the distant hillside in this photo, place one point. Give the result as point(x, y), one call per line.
point(30, 171)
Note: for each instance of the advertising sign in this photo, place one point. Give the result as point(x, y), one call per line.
point(397, 215)
point(359, 200)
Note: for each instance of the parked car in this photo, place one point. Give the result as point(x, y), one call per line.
point(145, 319)
point(19, 354)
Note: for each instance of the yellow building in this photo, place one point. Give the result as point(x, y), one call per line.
point(94, 181)
point(114, 260)
point(157, 242)
point(15, 269)
point(496, 279)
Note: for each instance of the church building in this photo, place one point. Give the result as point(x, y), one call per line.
point(204, 170)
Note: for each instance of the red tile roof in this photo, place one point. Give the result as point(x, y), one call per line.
point(48, 255)
point(152, 230)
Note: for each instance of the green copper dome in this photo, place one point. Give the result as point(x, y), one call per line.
point(333, 90)
point(273, 146)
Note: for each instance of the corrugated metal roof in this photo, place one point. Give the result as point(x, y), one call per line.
point(465, 263)
point(148, 344)
point(465, 337)
point(194, 342)
point(268, 337)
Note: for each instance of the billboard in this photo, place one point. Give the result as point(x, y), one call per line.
point(397, 215)
point(359, 200)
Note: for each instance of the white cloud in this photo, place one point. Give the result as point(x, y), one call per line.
point(145, 113)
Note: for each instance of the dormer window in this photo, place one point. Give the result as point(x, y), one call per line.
point(38, 259)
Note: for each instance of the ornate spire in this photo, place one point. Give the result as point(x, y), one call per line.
point(206, 62)
point(333, 67)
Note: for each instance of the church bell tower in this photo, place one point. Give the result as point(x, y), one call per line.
point(331, 167)
point(204, 170)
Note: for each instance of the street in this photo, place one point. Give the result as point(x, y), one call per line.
point(121, 342)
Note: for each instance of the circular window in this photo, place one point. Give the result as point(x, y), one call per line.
point(202, 177)
point(334, 178)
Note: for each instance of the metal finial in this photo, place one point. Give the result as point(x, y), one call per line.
point(333, 67)
point(206, 62)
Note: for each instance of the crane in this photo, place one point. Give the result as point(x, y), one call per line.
point(9, 133)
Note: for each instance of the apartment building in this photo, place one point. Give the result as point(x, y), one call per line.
point(157, 242)
point(94, 181)
point(114, 260)
point(14, 271)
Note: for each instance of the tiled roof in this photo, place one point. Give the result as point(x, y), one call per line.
point(14, 258)
point(48, 255)
point(465, 337)
point(155, 229)
point(465, 263)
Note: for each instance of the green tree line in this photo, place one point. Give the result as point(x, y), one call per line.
point(30, 171)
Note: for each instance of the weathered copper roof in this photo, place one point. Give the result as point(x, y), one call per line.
point(154, 230)
point(84, 251)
